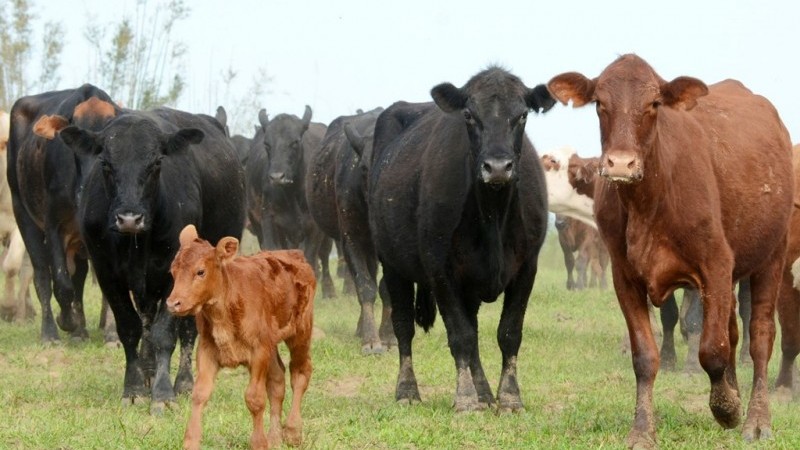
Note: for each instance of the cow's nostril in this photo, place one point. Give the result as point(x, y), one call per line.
point(487, 167)
point(509, 166)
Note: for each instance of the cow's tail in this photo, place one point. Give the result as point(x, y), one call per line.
point(424, 308)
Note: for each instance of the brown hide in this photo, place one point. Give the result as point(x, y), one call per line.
point(576, 236)
point(244, 307)
point(696, 190)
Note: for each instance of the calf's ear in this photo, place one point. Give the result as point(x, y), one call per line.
point(80, 141)
point(227, 248)
point(539, 99)
point(181, 139)
point(188, 235)
point(683, 92)
point(572, 86)
point(448, 97)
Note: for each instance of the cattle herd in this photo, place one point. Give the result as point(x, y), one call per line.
point(436, 206)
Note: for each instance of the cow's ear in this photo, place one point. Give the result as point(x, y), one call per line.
point(81, 141)
point(683, 92)
point(48, 126)
point(181, 139)
point(306, 118)
point(227, 248)
point(572, 86)
point(356, 140)
point(263, 119)
point(188, 235)
point(449, 98)
point(539, 99)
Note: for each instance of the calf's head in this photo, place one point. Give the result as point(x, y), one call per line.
point(283, 142)
point(494, 104)
point(628, 96)
point(197, 271)
point(129, 153)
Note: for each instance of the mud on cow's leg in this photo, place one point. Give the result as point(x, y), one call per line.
point(406, 390)
point(163, 335)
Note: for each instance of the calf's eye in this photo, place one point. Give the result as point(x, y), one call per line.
point(201, 273)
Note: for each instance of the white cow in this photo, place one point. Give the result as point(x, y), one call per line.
point(16, 304)
point(562, 196)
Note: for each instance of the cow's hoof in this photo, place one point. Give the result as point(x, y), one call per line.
point(66, 323)
point(133, 400)
point(756, 433)
point(373, 349)
point(158, 408)
point(638, 440)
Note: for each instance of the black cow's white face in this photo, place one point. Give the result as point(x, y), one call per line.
point(494, 105)
point(129, 156)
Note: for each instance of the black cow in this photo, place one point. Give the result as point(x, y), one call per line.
point(336, 186)
point(45, 179)
point(276, 199)
point(457, 206)
point(156, 172)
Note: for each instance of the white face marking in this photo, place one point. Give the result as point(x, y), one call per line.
point(562, 198)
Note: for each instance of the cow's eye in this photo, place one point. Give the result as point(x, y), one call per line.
point(201, 273)
point(468, 116)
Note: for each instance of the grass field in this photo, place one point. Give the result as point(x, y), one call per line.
point(577, 385)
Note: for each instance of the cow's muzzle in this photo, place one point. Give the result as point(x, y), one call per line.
point(130, 223)
point(621, 167)
point(497, 172)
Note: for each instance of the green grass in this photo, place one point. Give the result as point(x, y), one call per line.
point(577, 385)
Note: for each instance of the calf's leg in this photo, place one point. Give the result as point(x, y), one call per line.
point(256, 395)
point(276, 389)
point(300, 372)
point(207, 368)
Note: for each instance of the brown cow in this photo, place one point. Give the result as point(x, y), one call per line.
point(789, 296)
point(576, 236)
point(696, 190)
point(244, 307)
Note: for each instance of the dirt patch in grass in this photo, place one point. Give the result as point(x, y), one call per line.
point(347, 387)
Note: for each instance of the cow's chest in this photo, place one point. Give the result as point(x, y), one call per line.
point(230, 350)
point(482, 261)
point(657, 259)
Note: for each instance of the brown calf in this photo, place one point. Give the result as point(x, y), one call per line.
point(244, 307)
point(696, 190)
point(575, 236)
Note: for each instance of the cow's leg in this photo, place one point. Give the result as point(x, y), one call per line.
point(462, 338)
point(256, 394)
point(402, 294)
point(485, 397)
point(386, 331)
point(9, 307)
point(300, 372)
point(343, 272)
point(276, 389)
point(789, 316)
point(323, 253)
point(581, 266)
point(187, 333)
point(509, 335)
point(715, 347)
point(108, 324)
point(42, 283)
point(669, 319)
point(569, 263)
point(764, 287)
point(363, 268)
point(163, 336)
point(744, 312)
point(644, 353)
point(207, 368)
point(78, 280)
point(63, 288)
point(693, 326)
point(24, 292)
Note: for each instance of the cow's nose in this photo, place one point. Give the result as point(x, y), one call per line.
point(497, 171)
point(279, 178)
point(130, 222)
point(621, 166)
point(173, 304)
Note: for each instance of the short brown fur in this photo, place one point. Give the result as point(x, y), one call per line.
point(244, 307)
point(702, 198)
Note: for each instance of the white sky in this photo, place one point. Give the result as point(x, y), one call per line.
point(341, 55)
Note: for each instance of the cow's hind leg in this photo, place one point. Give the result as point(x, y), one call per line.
point(745, 312)
point(402, 294)
point(276, 390)
point(764, 291)
point(669, 319)
point(789, 316)
point(300, 372)
point(187, 333)
point(386, 331)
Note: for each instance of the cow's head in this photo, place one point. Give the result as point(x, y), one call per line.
point(628, 95)
point(562, 196)
point(129, 151)
point(494, 105)
point(283, 142)
point(197, 271)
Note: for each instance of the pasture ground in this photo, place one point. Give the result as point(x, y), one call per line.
point(577, 384)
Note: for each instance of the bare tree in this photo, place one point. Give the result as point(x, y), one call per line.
point(243, 110)
point(141, 67)
point(16, 52)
